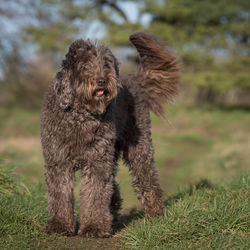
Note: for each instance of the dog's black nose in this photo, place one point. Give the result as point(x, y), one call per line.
point(101, 81)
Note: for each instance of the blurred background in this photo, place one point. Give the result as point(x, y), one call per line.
point(207, 134)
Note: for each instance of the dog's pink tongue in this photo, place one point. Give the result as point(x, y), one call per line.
point(99, 92)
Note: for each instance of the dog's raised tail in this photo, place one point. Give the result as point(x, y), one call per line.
point(159, 72)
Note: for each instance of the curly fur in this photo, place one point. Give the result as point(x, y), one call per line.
point(90, 117)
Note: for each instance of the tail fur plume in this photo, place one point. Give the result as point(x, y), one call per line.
point(159, 72)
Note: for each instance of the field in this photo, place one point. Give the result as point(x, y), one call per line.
point(198, 151)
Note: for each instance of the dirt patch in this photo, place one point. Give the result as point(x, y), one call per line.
point(97, 244)
point(112, 243)
point(23, 143)
point(77, 242)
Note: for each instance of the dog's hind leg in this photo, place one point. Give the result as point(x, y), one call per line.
point(145, 177)
point(60, 184)
point(116, 201)
point(138, 153)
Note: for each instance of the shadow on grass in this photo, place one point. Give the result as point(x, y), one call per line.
point(135, 213)
point(125, 219)
point(202, 184)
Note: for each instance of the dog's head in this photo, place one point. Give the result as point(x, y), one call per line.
point(89, 76)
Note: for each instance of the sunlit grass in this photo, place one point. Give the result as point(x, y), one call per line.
point(203, 217)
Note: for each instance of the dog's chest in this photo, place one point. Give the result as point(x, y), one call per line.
point(89, 137)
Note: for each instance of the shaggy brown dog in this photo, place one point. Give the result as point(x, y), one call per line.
point(89, 118)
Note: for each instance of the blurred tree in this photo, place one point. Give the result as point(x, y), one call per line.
point(9, 39)
point(206, 24)
point(58, 22)
point(25, 85)
point(213, 38)
point(50, 30)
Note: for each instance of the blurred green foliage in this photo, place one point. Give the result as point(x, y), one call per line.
point(213, 40)
point(188, 24)
point(211, 37)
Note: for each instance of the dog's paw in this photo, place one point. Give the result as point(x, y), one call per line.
point(92, 232)
point(155, 208)
point(56, 226)
point(155, 212)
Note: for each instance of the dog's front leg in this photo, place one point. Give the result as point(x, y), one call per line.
point(60, 183)
point(96, 190)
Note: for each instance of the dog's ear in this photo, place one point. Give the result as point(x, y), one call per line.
point(63, 81)
point(111, 60)
point(63, 88)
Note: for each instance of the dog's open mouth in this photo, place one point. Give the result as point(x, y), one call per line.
point(99, 93)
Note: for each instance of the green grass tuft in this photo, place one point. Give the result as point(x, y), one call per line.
point(22, 211)
point(9, 181)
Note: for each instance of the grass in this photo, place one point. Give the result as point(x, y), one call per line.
point(22, 210)
point(23, 214)
point(204, 216)
point(16, 123)
point(201, 218)
point(198, 142)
